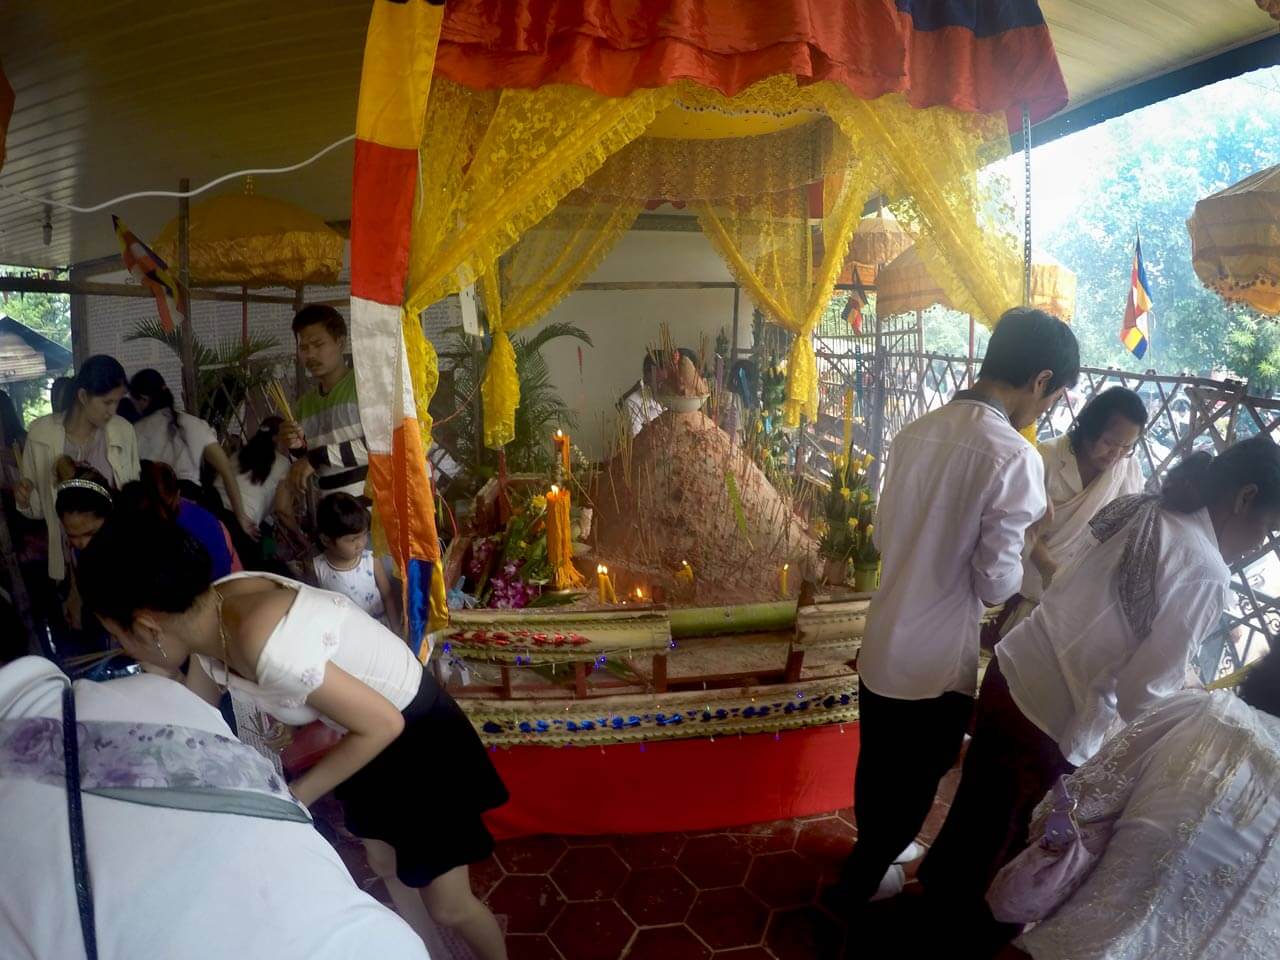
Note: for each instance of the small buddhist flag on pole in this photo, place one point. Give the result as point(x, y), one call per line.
point(1135, 332)
point(146, 267)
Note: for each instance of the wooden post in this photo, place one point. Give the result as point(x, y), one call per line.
point(191, 399)
point(244, 319)
point(733, 348)
point(972, 337)
point(299, 371)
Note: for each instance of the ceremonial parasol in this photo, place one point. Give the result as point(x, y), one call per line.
point(880, 238)
point(1235, 241)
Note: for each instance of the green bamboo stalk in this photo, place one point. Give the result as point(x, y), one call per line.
point(741, 618)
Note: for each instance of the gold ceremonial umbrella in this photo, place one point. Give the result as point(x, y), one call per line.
point(248, 240)
point(1235, 241)
point(905, 286)
point(880, 238)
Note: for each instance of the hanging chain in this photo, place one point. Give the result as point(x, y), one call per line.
point(1026, 209)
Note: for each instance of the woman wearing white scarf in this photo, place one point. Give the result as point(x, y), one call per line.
point(1084, 470)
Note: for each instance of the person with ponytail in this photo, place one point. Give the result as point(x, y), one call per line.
point(260, 466)
point(1114, 634)
point(184, 442)
point(88, 431)
point(158, 495)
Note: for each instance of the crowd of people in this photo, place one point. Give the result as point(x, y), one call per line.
point(1092, 752)
point(1129, 812)
point(155, 546)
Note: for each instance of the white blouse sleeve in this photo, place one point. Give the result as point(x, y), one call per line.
point(292, 664)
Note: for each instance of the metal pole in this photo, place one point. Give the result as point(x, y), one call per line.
point(969, 367)
point(733, 347)
point(191, 399)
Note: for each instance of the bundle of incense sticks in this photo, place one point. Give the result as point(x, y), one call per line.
point(275, 393)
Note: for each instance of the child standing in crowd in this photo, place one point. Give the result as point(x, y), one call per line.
point(962, 489)
point(347, 565)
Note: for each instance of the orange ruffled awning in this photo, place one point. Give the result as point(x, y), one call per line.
point(976, 58)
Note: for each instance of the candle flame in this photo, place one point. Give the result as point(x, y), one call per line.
point(559, 433)
point(601, 568)
point(639, 594)
point(786, 566)
point(554, 489)
point(684, 563)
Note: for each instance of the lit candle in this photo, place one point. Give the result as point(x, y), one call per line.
point(639, 595)
point(561, 442)
point(685, 573)
point(605, 585)
point(782, 579)
point(564, 575)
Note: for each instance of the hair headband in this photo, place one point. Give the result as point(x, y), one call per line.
point(77, 483)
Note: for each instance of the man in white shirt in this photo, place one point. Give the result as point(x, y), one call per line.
point(962, 488)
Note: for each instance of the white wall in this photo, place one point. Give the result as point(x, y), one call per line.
point(623, 323)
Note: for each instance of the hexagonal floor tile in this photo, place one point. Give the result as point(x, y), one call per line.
point(728, 918)
point(667, 943)
point(825, 842)
point(715, 860)
point(531, 946)
point(530, 854)
point(661, 895)
point(804, 934)
point(771, 837)
point(485, 876)
point(595, 930)
point(589, 873)
point(650, 849)
point(529, 903)
point(746, 953)
point(783, 879)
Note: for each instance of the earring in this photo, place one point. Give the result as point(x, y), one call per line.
point(160, 647)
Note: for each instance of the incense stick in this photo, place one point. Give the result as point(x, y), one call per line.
point(275, 393)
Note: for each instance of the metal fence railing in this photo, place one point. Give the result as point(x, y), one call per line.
point(1186, 413)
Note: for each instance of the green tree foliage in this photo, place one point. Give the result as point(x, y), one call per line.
point(48, 314)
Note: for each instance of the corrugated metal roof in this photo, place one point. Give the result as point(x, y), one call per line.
point(124, 95)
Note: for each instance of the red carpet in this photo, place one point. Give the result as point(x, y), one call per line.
point(675, 785)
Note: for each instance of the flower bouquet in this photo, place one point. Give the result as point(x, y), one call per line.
point(847, 526)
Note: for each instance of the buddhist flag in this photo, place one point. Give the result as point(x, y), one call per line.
point(392, 357)
point(146, 266)
point(1135, 332)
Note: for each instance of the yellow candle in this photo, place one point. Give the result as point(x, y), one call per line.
point(685, 573)
point(782, 579)
point(561, 442)
point(848, 420)
point(602, 579)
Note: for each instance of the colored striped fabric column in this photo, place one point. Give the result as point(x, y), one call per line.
point(395, 81)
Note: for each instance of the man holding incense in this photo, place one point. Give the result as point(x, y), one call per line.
point(962, 489)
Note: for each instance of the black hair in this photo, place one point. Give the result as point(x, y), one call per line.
point(11, 429)
point(1027, 341)
point(1202, 480)
point(140, 562)
point(155, 493)
point(81, 499)
point(14, 642)
point(149, 383)
point(60, 393)
point(1261, 686)
point(320, 314)
point(340, 515)
point(1097, 413)
point(258, 456)
point(98, 375)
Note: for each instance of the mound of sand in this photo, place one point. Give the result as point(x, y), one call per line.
point(668, 500)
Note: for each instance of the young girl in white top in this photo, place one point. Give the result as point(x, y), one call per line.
point(412, 775)
point(347, 565)
point(1113, 635)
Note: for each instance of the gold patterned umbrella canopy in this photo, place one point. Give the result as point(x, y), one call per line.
point(880, 238)
point(248, 240)
point(1235, 241)
point(905, 286)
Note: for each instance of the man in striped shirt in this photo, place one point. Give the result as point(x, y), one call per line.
point(328, 439)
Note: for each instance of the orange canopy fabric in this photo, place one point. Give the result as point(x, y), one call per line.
point(971, 57)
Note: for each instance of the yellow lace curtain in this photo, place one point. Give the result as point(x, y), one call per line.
point(769, 246)
point(495, 163)
point(544, 266)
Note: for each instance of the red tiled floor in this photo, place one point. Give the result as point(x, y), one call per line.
point(661, 895)
point(650, 849)
point(590, 873)
point(533, 946)
point(804, 934)
point(596, 930)
point(783, 879)
point(771, 837)
point(667, 943)
point(731, 917)
point(530, 854)
point(746, 953)
point(825, 841)
point(529, 903)
point(716, 860)
point(485, 876)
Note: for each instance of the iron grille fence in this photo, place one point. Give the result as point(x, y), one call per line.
point(1186, 414)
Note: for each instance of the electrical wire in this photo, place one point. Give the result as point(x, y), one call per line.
point(177, 194)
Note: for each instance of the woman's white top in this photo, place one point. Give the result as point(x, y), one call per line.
point(258, 498)
point(321, 627)
point(1067, 535)
point(1074, 666)
point(357, 584)
point(1192, 869)
point(183, 449)
point(225, 885)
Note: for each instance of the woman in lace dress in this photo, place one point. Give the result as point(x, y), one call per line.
point(1192, 867)
point(410, 771)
